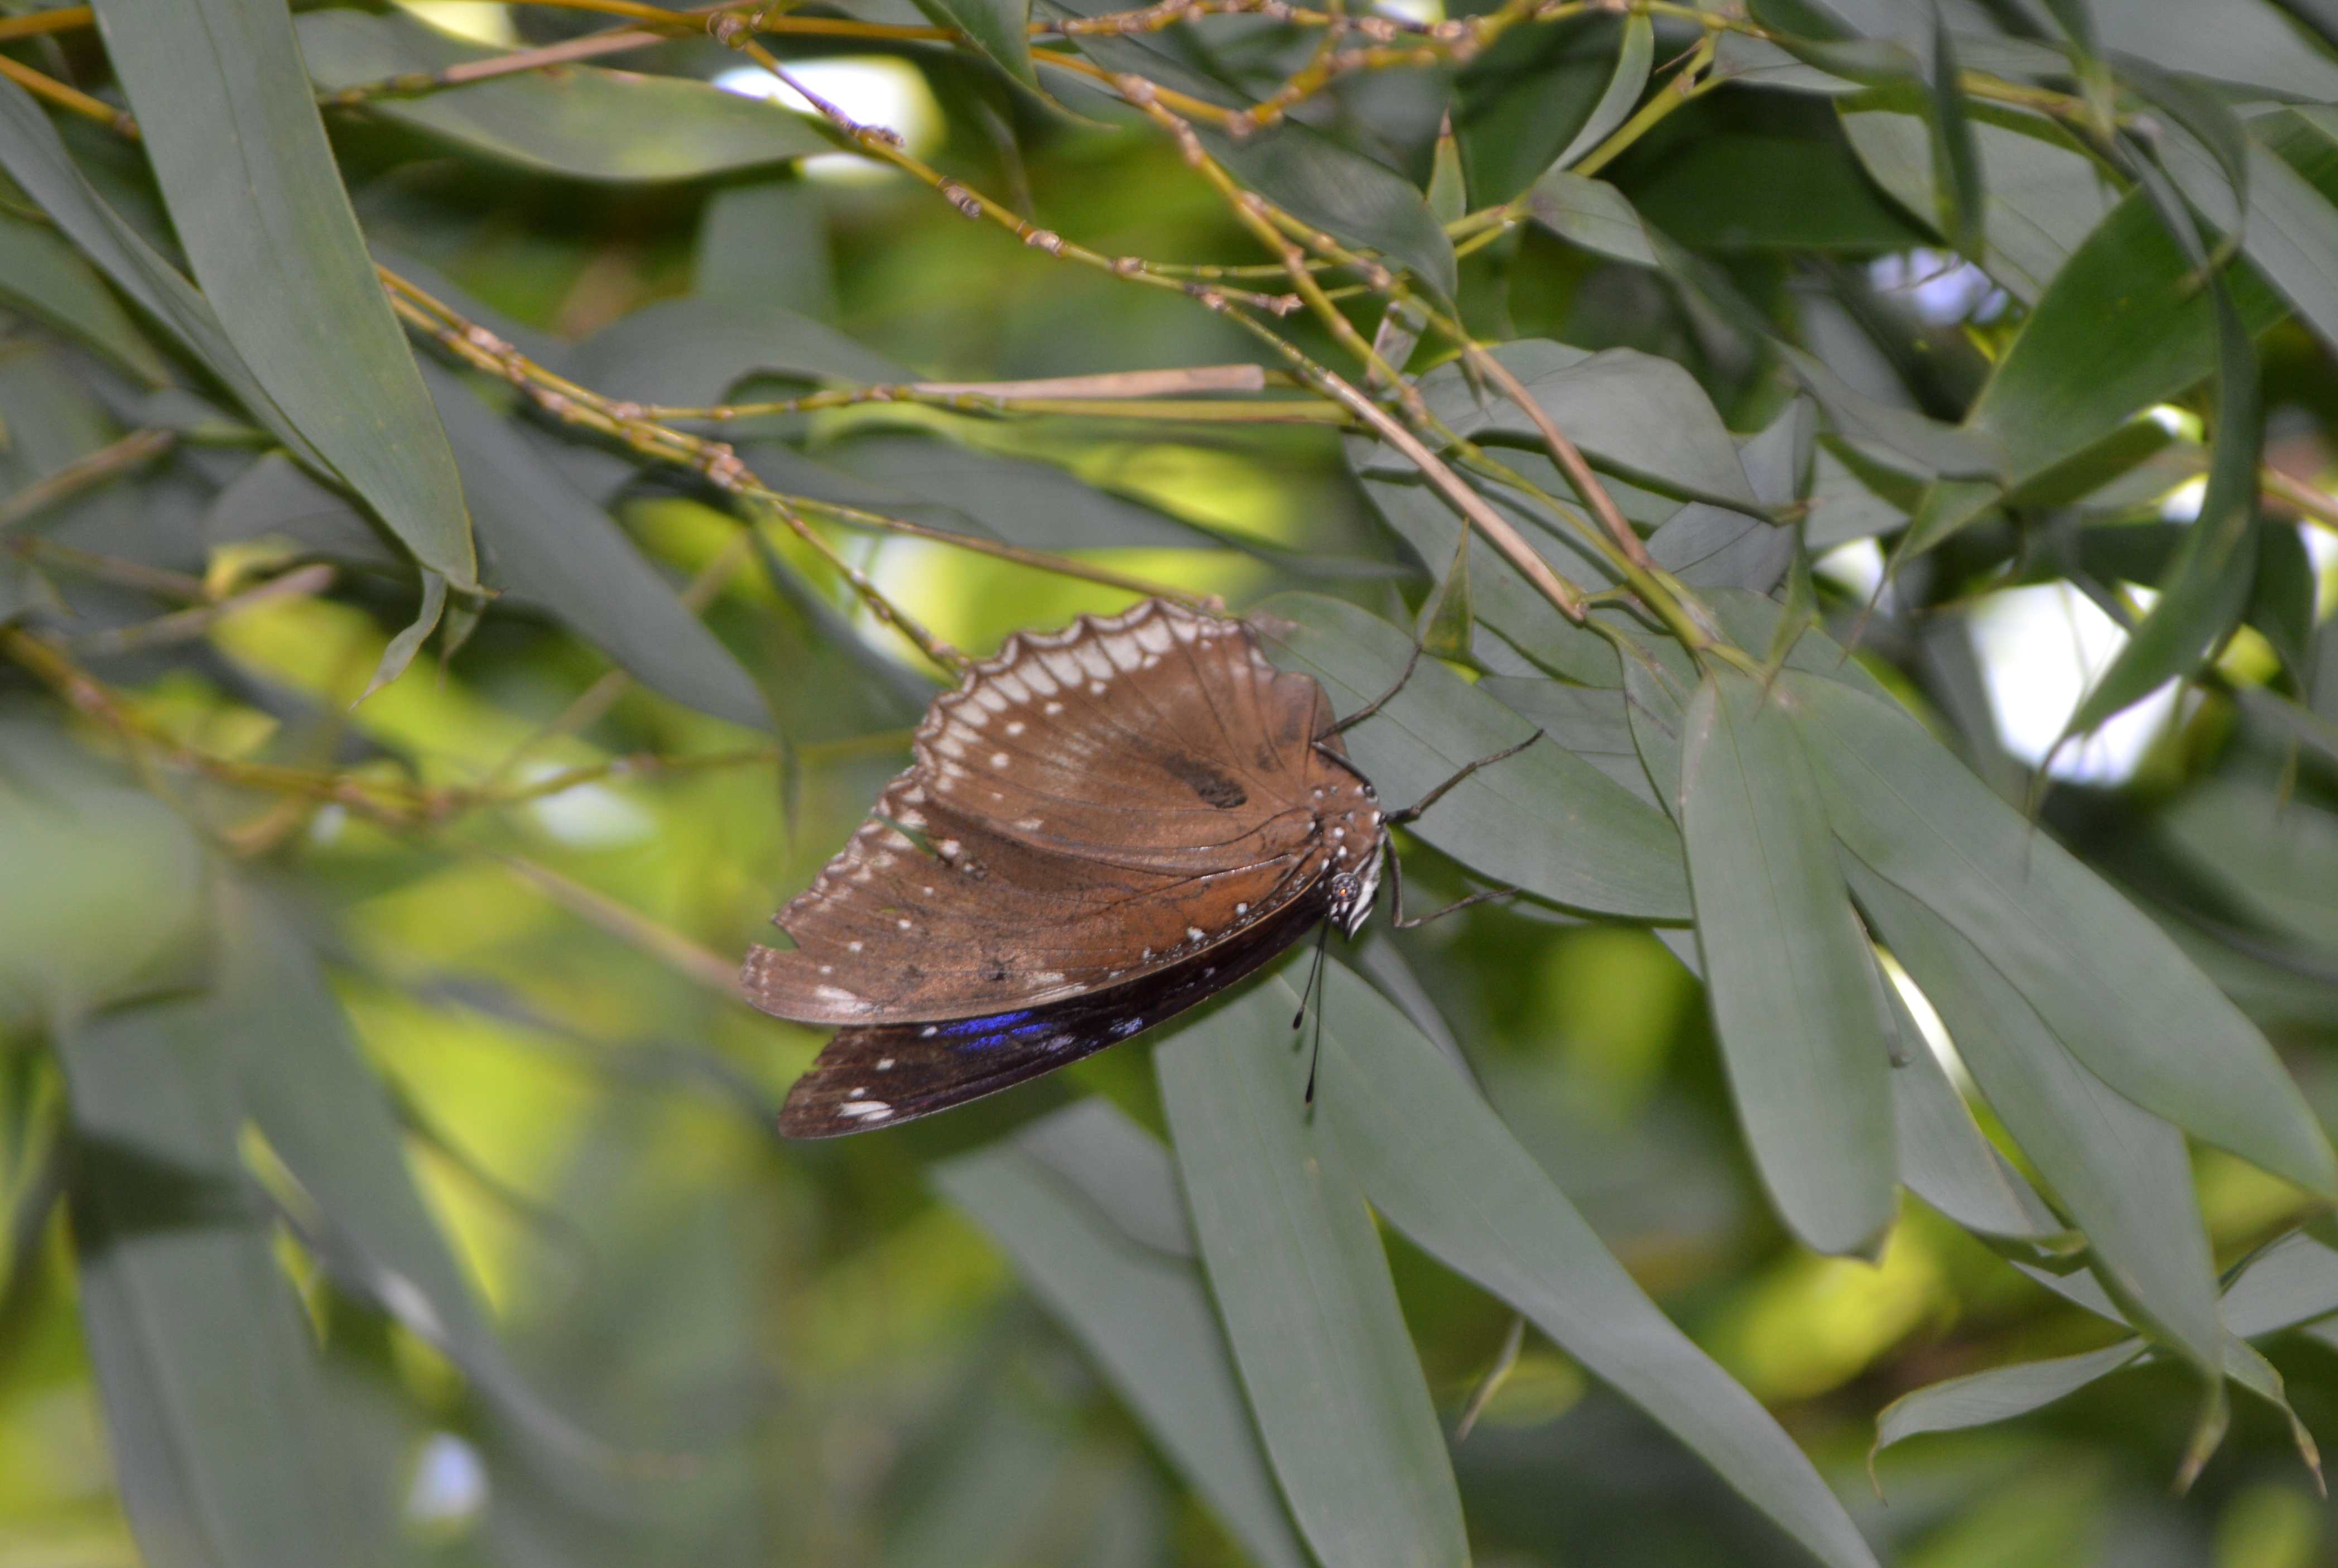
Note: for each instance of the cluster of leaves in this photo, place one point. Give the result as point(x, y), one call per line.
point(1565, 360)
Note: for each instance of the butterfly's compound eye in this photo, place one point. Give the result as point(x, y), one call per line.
point(1345, 886)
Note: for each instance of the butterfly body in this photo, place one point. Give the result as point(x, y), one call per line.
point(1101, 828)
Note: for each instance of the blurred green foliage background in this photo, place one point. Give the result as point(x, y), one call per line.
point(717, 1349)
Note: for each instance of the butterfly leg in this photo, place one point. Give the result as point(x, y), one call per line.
point(1396, 898)
point(1375, 705)
point(1412, 812)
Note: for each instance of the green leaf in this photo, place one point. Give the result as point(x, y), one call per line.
point(2272, 860)
point(690, 352)
point(1630, 411)
point(767, 240)
point(2042, 195)
point(2281, 602)
point(2119, 1171)
point(1709, 546)
point(276, 498)
point(999, 28)
point(1757, 191)
point(35, 158)
point(1303, 1288)
point(1436, 1160)
point(217, 1422)
point(1334, 188)
point(1999, 1394)
point(402, 648)
point(1591, 213)
point(2291, 1281)
point(546, 542)
point(2104, 978)
point(1590, 722)
point(326, 1115)
point(1956, 161)
point(1448, 621)
point(1504, 601)
point(1448, 185)
point(2203, 123)
point(104, 883)
point(1932, 446)
point(226, 120)
point(1033, 504)
point(1544, 820)
point(41, 274)
point(1635, 53)
point(1793, 988)
point(2207, 585)
point(1947, 1161)
point(1086, 1205)
point(2123, 326)
point(580, 121)
point(2287, 226)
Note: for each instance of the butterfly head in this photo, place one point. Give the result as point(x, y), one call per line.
point(1353, 892)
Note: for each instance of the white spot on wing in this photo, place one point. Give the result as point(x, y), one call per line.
point(866, 1109)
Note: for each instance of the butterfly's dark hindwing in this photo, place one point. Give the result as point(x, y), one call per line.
point(883, 1075)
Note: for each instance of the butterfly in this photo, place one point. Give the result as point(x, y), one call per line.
point(1101, 828)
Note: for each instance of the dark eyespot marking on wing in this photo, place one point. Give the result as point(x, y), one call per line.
point(1206, 782)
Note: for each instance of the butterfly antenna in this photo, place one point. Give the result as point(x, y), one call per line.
point(1313, 988)
point(1315, 1052)
point(1299, 1019)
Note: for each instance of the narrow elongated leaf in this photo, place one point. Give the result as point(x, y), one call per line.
point(1947, 1161)
point(1930, 446)
point(1635, 53)
point(1792, 984)
point(1956, 161)
point(228, 121)
point(2123, 326)
point(222, 1441)
point(1643, 415)
point(41, 275)
point(1591, 213)
point(767, 240)
point(546, 542)
point(1358, 199)
point(2120, 1171)
point(690, 351)
point(1086, 1205)
point(1543, 820)
point(329, 1118)
point(1448, 182)
point(1709, 546)
point(2103, 978)
point(276, 498)
point(2207, 584)
point(999, 28)
point(2293, 1281)
point(580, 121)
point(1504, 601)
point(35, 158)
point(1999, 1394)
point(1033, 504)
point(2290, 230)
point(104, 883)
point(1301, 1283)
point(2041, 194)
point(2281, 602)
point(1593, 722)
point(2275, 861)
point(1434, 1158)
